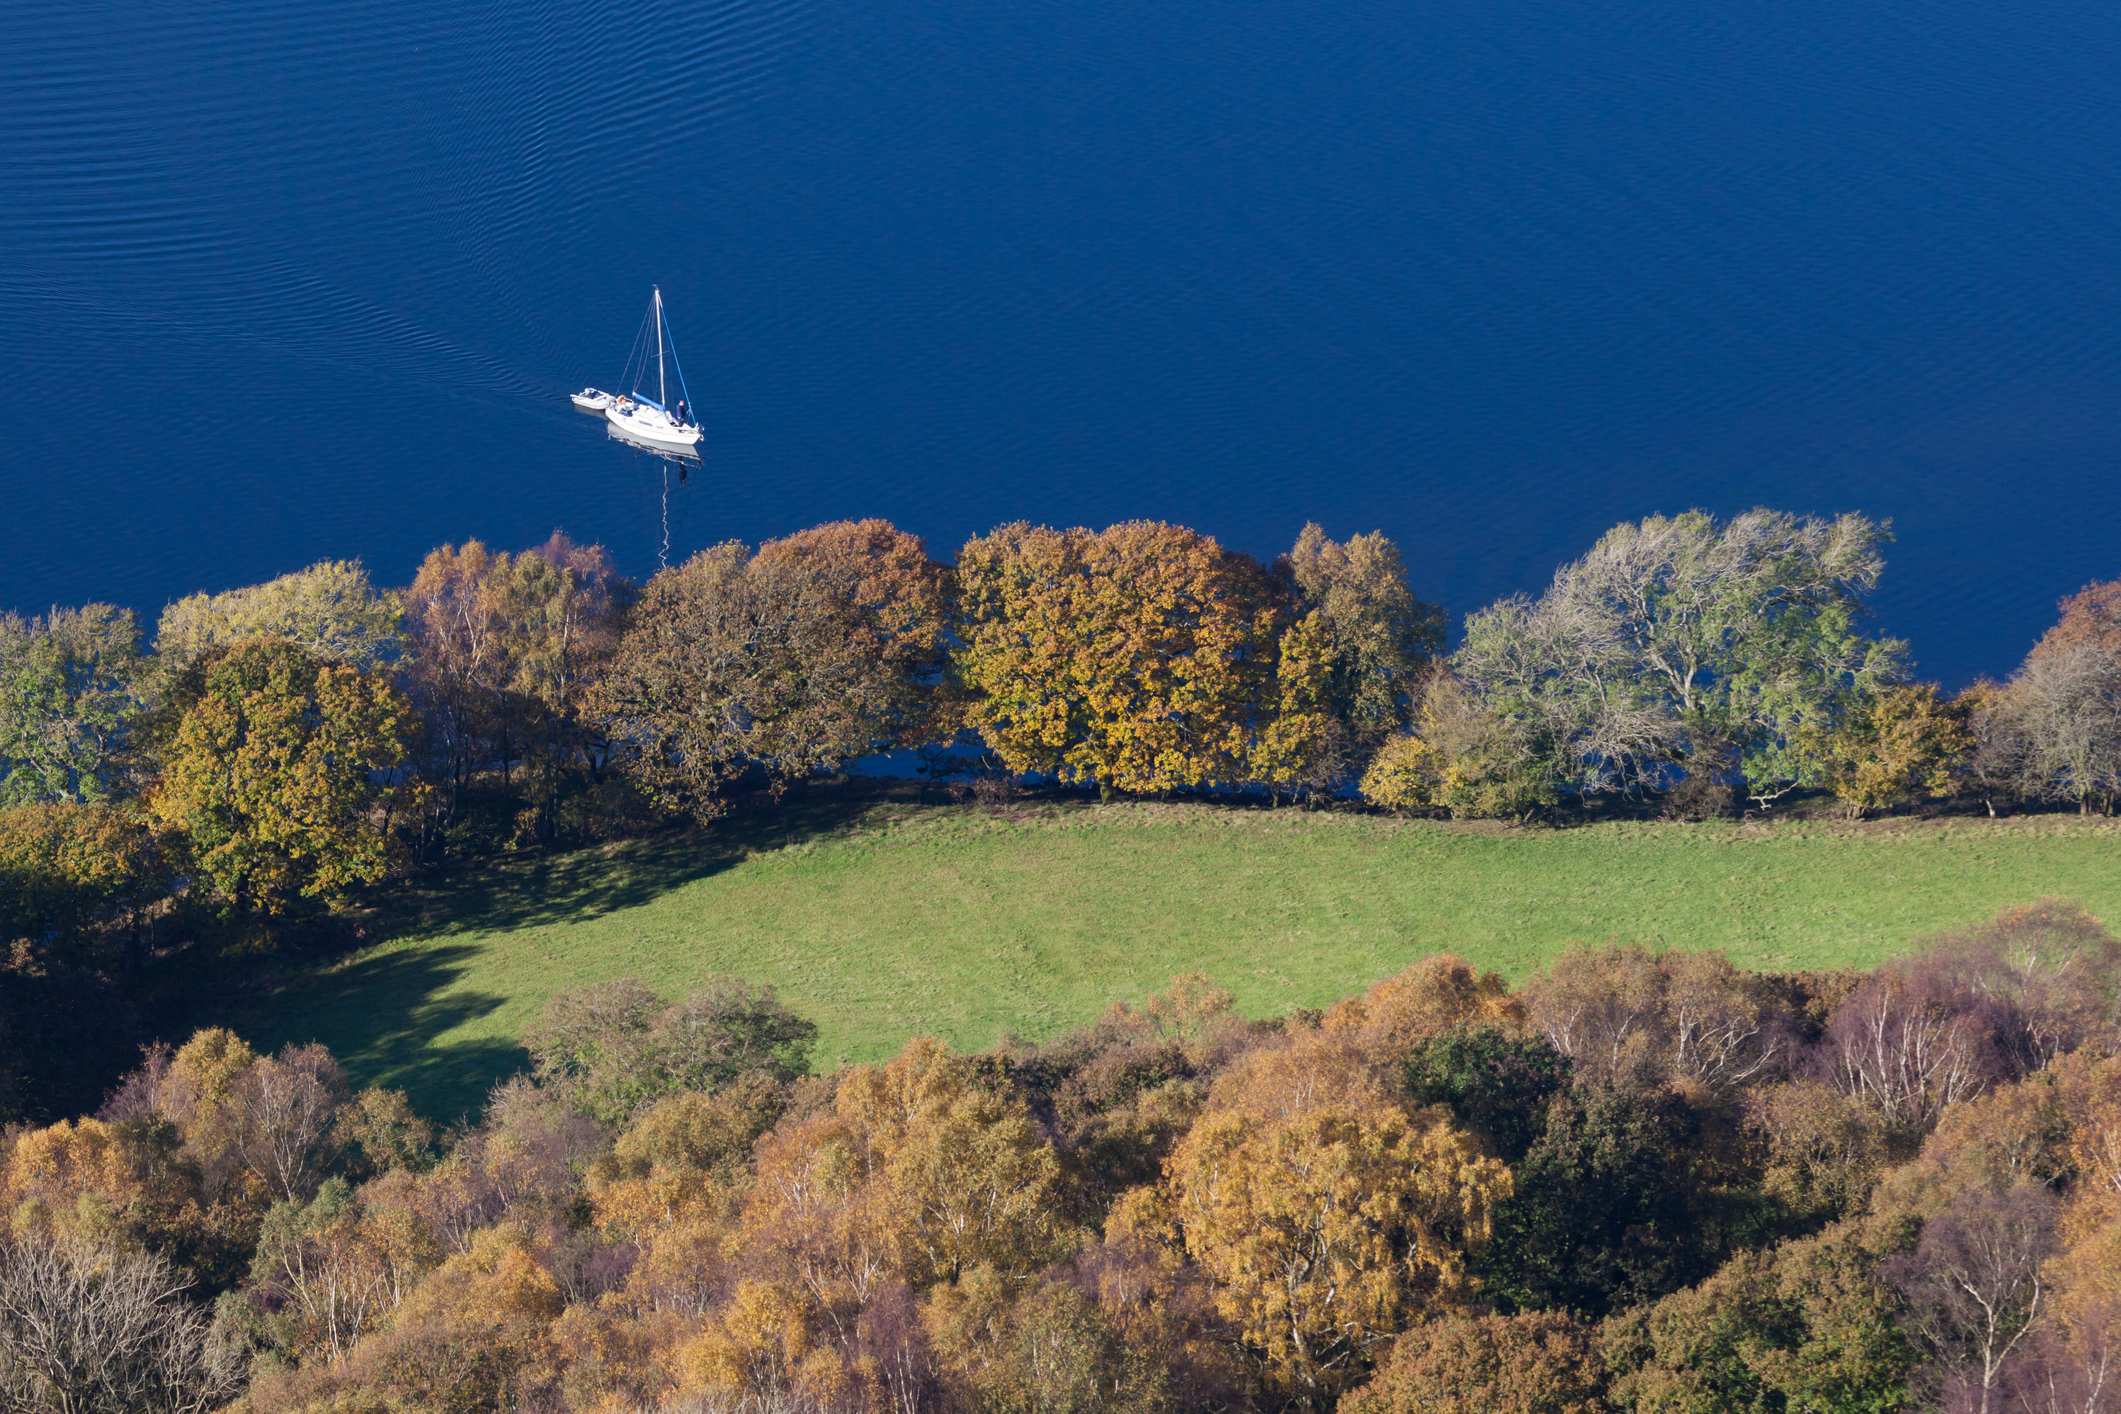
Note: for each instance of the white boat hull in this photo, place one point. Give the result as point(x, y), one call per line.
point(653, 426)
point(591, 401)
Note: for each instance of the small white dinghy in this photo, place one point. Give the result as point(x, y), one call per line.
point(591, 400)
point(651, 420)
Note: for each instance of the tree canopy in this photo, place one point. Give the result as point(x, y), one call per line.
point(273, 772)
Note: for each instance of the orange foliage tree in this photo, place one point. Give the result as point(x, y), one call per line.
point(818, 648)
point(1142, 657)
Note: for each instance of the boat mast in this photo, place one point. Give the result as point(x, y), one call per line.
point(660, 396)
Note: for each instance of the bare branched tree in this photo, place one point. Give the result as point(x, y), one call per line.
point(1974, 1288)
point(1909, 1046)
point(86, 1328)
point(2069, 714)
point(285, 1106)
point(1630, 1015)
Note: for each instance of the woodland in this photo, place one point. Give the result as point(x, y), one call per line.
point(1643, 1179)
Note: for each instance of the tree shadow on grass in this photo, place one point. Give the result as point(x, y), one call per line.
point(541, 889)
point(381, 1014)
point(381, 1006)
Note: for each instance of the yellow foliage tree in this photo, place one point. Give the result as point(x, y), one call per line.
point(1438, 994)
point(1294, 749)
point(1899, 744)
point(330, 609)
point(71, 1175)
point(476, 1334)
point(915, 1175)
point(1329, 1232)
point(1141, 657)
point(271, 772)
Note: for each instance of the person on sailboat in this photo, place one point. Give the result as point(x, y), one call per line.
point(681, 412)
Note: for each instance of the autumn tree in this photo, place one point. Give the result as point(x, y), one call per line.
point(271, 773)
point(1042, 1345)
point(918, 1174)
point(73, 688)
point(330, 609)
point(1433, 997)
point(475, 1333)
point(1140, 657)
point(1916, 1037)
point(1467, 756)
point(2091, 618)
point(1627, 1015)
point(1900, 743)
point(1534, 1363)
point(685, 1158)
point(331, 1271)
point(814, 650)
point(2065, 710)
point(1975, 1285)
point(77, 879)
point(501, 652)
point(1379, 637)
point(1327, 1217)
point(1824, 1150)
point(285, 1110)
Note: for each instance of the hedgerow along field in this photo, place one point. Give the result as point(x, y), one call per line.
point(884, 918)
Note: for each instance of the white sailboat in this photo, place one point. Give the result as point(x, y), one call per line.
point(654, 422)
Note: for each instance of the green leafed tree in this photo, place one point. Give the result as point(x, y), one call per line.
point(330, 609)
point(72, 686)
point(1692, 644)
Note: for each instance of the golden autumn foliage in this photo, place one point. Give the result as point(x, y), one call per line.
point(1328, 1232)
point(1438, 994)
point(915, 1174)
point(1411, 1201)
point(76, 875)
point(270, 773)
point(1325, 1215)
point(1535, 1363)
point(686, 1159)
point(475, 1335)
point(69, 1174)
point(1901, 743)
point(1141, 657)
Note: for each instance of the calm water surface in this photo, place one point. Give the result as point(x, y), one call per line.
point(290, 281)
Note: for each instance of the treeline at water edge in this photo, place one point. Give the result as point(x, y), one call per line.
point(1642, 1182)
point(281, 746)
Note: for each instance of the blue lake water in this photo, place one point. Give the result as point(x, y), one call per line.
point(283, 282)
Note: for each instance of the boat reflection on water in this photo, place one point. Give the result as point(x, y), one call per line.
point(684, 458)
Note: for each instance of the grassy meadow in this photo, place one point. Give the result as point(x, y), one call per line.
point(882, 918)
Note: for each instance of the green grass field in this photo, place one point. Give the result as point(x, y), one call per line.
point(883, 919)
